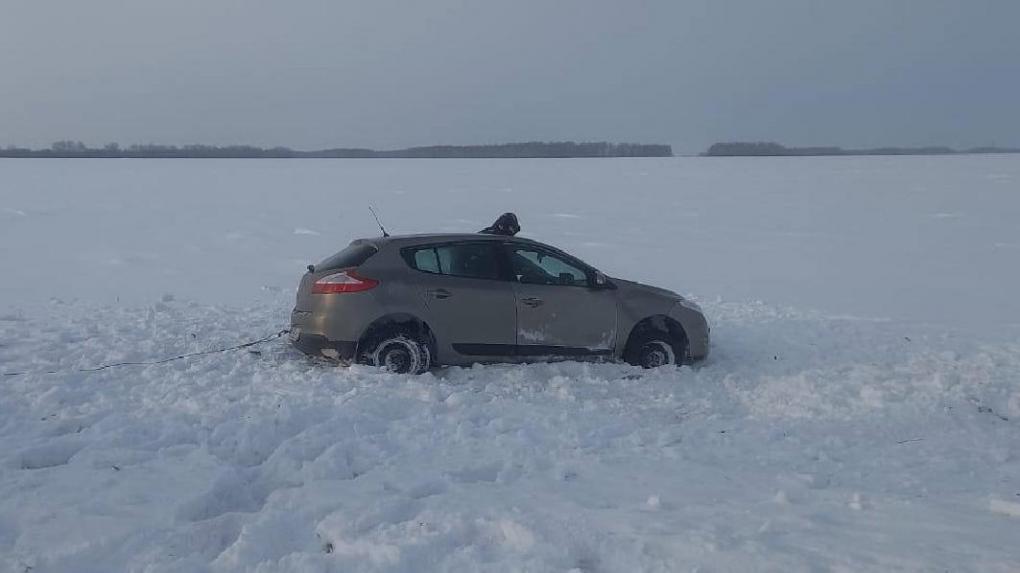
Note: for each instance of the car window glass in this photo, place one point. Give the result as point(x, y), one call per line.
point(354, 255)
point(426, 260)
point(471, 260)
point(534, 266)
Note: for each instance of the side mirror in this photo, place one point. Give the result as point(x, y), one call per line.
point(600, 280)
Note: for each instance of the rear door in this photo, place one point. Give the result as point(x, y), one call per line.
point(559, 312)
point(466, 297)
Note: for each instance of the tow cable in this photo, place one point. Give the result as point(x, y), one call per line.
point(161, 361)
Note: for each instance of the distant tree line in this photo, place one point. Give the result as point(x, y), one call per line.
point(68, 149)
point(773, 149)
point(537, 149)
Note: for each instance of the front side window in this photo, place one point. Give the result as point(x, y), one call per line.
point(535, 266)
point(469, 260)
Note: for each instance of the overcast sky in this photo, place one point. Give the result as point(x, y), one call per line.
point(325, 73)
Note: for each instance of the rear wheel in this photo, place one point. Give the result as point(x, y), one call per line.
point(400, 353)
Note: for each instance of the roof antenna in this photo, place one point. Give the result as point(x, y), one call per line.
point(377, 222)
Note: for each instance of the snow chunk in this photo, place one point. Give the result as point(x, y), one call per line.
point(1009, 508)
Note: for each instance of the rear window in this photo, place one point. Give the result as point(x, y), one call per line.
point(353, 256)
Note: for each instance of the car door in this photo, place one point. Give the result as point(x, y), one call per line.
point(466, 298)
point(559, 310)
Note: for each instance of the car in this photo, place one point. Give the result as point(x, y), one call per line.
point(409, 303)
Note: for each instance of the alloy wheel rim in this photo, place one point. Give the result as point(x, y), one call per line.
point(398, 355)
point(397, 359)
point(656, 354)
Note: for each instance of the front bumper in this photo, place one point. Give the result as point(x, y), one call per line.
point(695, 325)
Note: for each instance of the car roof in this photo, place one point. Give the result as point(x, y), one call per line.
point(400, 241)
point(424, 238)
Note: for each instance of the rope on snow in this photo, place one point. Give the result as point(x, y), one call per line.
point(162, 360)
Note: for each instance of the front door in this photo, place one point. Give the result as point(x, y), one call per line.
point(558, 310)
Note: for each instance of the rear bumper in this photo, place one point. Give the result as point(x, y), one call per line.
point(318, 345)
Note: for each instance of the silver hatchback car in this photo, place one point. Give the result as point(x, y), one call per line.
point(408, 303)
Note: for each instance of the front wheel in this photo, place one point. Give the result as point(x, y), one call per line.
point(401, 354)
point(656, 349)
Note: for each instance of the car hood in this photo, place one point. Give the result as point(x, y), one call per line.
point(666, 296)
point(632, 285)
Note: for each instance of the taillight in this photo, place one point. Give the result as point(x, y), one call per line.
point(341, 282)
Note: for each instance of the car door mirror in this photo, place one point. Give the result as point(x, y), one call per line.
point(599, 280)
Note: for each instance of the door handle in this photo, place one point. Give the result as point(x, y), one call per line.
point(440, 293)
point(532, 301)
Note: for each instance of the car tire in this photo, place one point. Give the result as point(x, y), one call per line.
point(400, 353)
point(655, 349)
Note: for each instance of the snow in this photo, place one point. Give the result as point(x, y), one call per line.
point(859, 410)
point(1005, 507)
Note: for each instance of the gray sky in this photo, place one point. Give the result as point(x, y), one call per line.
point(326, 73)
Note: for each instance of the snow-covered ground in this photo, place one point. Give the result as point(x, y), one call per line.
point(860, 410)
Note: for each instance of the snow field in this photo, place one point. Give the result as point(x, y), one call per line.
point(859, 410)
point(803, 442)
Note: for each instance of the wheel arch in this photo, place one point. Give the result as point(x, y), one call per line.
point(395, 321)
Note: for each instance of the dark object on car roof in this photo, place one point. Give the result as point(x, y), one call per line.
point(506, 225)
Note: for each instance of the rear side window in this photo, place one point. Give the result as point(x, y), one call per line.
point(469, 260)
point(426, 260)
point(354, 255)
